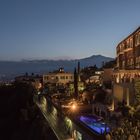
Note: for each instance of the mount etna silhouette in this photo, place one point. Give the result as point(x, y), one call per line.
point(12, 68)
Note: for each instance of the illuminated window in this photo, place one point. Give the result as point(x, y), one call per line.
point(127, 44)
point(71, 77)
point(131, 43)
point(46, 77)
point(52, 77)
point(132, 62)
point(62, 77)
point(137, 39)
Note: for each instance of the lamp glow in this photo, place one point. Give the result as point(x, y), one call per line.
point(73, 107)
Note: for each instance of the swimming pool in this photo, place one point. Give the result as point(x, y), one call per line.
point(95, 124)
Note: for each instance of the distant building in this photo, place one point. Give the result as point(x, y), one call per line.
point(93, 79)
point(127, 72)
point(96, 78)
point(99, 72)
point(58, 77)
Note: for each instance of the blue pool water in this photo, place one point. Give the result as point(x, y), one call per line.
point(95, 124)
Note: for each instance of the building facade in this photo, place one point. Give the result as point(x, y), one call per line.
point(58, 77)
point(127, 70)
point(128, 52)
point(128, 58)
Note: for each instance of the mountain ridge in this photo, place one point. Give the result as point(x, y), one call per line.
point(15, 68)
point(78, 59)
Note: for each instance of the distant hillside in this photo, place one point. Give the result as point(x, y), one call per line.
point(95, 59)
point(10, 68)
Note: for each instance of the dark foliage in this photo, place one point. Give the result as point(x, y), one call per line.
point(110, 64)
point(100, 96)
point(88, 72)
point(13, 125)
point(75, 83)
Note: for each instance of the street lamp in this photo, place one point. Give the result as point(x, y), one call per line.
point(73, 107)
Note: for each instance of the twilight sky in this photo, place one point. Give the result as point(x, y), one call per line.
point(39, 29)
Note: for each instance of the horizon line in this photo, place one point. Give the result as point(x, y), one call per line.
point(52, 59)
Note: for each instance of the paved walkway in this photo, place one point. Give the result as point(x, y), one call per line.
point(55, 123)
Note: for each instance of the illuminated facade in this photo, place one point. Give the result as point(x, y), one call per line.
point(58, 77)
point(128, 67)
point(128, 58)
point(128, 52)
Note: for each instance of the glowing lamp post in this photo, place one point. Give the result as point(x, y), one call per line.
point(73, 107)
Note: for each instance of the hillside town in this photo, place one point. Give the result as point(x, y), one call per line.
point(92, 103)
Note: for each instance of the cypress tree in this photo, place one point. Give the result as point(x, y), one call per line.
point(75, 84)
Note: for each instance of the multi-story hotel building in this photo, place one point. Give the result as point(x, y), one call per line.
point(128, 58)
point(128, 52)
point(127, 72)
